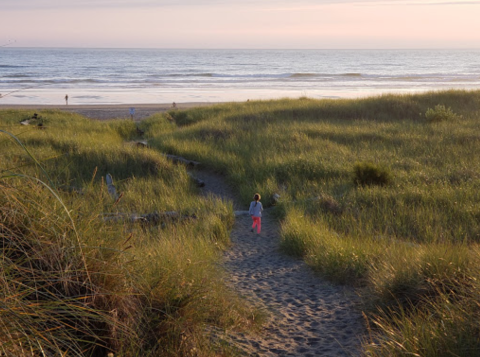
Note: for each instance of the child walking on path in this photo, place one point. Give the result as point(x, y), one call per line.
point(255, 211)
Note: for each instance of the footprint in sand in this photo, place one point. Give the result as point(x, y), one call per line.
point(308, 316)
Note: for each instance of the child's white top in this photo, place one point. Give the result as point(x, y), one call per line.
point(256, 209)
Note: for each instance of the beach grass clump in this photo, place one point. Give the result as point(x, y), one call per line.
point(298, 235)
point(367, 173)
point(441, 328)
point(340, 259)
point(324, 203)
point(126, 129)
point(79, 276)
point(440, 316)
point(188, 117)
point(156, 124)
point(413, 273)
point(57, 294)
point(440, 113)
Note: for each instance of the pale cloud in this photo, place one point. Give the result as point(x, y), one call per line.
point(241, 23)
point(95, 4)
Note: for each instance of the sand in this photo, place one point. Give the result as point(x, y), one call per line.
point(107, 111)
point(307, 316)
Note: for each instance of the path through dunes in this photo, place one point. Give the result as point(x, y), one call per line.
point(307, 315)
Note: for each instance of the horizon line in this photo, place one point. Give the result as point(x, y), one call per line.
point(241, 48)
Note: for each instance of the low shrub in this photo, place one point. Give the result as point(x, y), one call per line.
point(369, 174)
point(439, 114)
point(182, 117)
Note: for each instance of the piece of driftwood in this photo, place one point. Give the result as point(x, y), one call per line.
point(198, 182)
point(241, 213)
point(28, 122)
point(111, 188)
point(275, 198)
point(33, 118)
point(141, 143)
point(182, 160)
point(154, 218)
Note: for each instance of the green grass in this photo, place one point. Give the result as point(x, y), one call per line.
point(407, 242)
point(74, 284)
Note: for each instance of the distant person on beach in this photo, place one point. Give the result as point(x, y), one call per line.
point(66, 99)
point(255, 211)
point(174, 105)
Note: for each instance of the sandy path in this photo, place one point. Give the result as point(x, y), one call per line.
point(307, 315)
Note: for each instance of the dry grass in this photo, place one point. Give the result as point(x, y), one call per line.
point(74, 284)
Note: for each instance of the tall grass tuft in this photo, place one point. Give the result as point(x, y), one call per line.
point(369, 174)
point(54, 300)
point(74, 283)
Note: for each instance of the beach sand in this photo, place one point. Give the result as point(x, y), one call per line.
point(307, 315)
point(110, 111)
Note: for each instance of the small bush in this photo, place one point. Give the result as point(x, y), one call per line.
point(329, 204)
point(440, 113)
point(182, 117)
point(370, 174)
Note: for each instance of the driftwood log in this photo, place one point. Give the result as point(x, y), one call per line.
point(111, 188)
point(241, 213)
point(275, 198)
point(29, 121)
point(154, 218)
point(198, 182)
point(182, 160)
point(33, 120)
point(141, 143)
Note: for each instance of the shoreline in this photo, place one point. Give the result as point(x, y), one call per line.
point(110, 111)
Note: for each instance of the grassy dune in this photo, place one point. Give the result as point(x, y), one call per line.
point(75, 284)
point(410, 244)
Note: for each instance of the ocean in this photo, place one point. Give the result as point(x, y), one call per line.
point(128, 76)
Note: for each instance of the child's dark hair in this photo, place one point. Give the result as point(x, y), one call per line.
point(257, 198)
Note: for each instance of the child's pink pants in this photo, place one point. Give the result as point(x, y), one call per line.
point(257, 221)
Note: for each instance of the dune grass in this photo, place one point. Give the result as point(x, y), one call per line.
point(76, 284)
point(409, 242)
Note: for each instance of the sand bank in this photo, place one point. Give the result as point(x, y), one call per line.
point(110, 111)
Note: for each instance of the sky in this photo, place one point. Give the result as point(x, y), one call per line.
point(246, 24)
